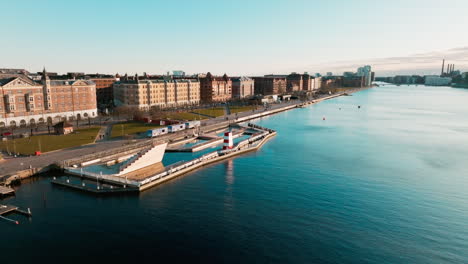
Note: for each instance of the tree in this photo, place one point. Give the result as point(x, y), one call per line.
point(137, 113)
point(49, 123)
point(78, 119)
point(156, 113)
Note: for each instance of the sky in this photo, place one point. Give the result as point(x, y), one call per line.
point(237, 37)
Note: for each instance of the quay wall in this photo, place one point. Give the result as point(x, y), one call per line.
point(135, 147)
point(204, 163)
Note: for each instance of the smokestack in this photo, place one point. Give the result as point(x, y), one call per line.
point(443, 64)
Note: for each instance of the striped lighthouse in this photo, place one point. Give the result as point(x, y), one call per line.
point(228, 143)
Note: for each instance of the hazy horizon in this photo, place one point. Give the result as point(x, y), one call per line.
point(234, 37)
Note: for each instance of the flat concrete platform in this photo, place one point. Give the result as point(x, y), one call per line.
point(6, 190)
point(5, 209)
point(94, 190)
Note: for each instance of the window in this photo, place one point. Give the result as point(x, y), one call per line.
point(12, 108)
point(20, 99)
point(31, 99)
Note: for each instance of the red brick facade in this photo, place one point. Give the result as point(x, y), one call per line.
point(215, 89)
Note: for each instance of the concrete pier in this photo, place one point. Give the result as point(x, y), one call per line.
point(4, 191)
point(141, 182)
point(9, 209)
point(103, 189)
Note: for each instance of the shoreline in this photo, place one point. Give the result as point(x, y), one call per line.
point(33, 171)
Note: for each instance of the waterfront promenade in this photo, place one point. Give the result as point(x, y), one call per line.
point(11, 165)
point(357, 187)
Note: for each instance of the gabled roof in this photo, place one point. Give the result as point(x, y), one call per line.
point(71, 82)
point(22, 78)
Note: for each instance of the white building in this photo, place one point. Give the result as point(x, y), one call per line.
point(434, 80)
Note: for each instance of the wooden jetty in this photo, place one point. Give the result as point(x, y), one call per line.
point(7, 209)
point(4, 191)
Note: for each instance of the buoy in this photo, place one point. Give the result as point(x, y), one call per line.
point(17, 222)
point(324, 118)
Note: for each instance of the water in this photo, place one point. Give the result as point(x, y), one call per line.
point(386, 183)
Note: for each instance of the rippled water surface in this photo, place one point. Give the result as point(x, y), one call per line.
point(386, 183)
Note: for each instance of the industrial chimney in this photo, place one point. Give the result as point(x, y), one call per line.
point(443, 64)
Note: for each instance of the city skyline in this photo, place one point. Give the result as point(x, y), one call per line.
point(238, 38)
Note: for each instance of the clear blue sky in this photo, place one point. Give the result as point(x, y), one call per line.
point(237, 37)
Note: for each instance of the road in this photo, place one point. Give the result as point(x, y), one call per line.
point(11, 165)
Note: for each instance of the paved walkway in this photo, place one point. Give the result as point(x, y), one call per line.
point(11, 165)
point(104, 133)
point(200, 114)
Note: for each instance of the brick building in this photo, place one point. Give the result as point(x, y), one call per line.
point(294, 82)
point(104, 89)
point(25, 101)
point(215, 88)
point(353, 81)
point(242, 87)
point(330, 82)
point(156, 92)
point(270, 84)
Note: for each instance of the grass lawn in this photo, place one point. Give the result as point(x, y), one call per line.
point(215, 112)
point(183, 116)
point(119, 130)
point(46, 143)
point(238, 109)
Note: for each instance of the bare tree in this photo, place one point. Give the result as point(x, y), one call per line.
point(156, 113)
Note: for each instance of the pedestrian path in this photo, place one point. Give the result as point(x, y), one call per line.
point(104, 133)
point(227, 109)
point(202, 115)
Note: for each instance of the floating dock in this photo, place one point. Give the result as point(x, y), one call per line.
point(4, 191)
point(9, 209)
point(96, 189)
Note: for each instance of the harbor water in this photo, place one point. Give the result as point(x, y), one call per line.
point(383, 183)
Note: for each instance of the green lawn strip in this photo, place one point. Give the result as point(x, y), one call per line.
point(119, 130)
point(215, 112)
point(183, 116)
point(46, 143)
point(238, 109)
